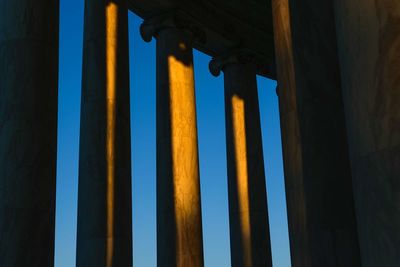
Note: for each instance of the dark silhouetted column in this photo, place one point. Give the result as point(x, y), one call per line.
point(28, 131)
point(179, 226)
point(104, 201)
point(248, 216)
point(321, 216)
point(369, 51)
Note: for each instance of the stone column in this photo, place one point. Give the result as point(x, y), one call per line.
point(321, 216)
point(28, 131)
point(179, 225)
point(248, 215)
point(104, 199)
point(369, 51)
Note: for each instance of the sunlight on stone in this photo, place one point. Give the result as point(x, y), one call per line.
point(239, 130)
point(111, 43)
point(185, 156)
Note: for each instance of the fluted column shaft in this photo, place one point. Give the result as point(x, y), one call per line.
point(179, 225)
point(321, 215)
point(104, 199)
point(369, 51)
point(28, 131)
point(248, 216)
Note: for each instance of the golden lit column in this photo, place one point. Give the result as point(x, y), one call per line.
point(179, 225)
point(28, 131)
point(104, 199)
point(248, 215)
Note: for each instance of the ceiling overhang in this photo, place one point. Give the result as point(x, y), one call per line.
point(227, 24)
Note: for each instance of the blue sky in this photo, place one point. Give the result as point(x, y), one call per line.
point(211, 130)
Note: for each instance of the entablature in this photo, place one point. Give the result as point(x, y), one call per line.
point(227, 25)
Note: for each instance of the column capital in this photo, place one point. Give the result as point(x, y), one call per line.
point(152, 26)
point(235, 56)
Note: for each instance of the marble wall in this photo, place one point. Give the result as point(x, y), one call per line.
point(28, 131)
point(369, 48)
point(322, 223)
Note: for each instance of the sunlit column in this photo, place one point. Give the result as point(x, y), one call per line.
point(248, 216)
point(28, 131)
point(104, 200)
point(179, 225)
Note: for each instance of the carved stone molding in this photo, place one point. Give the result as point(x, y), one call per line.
point(151, 27)
point(235, 56)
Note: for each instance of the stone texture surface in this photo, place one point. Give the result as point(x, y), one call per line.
point(28, 131)
point(104, 236)
point(322, 222)
point(248, 216)
point(369, 50)
point(179, 225)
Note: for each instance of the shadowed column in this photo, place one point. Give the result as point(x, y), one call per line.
point(321, 216)
point(248, 216)
point(28, 131)
point(104, 201)
point(369, 50)
point(179, 225)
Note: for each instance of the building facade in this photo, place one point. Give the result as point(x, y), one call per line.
point(337, 68)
